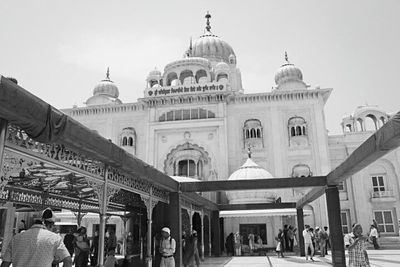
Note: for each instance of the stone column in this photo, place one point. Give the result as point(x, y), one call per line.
point(175, 221)
point(216, 244)
point(300, 229)
point(335, 226)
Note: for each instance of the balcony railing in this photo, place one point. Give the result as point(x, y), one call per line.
point(382, 194)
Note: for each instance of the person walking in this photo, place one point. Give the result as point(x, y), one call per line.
point(279, 246)
point(230, 244)
point(37, 246)
point(373, 235)
point(94, 249)
point(308, 236)
point(285, 237)
point(356, 244)
point(188, 251)
point(82, 248)
point(323, 236)
point(196, 248)
point(167, 248)
point(69, 241)
point(290, 235)
point(327, 243)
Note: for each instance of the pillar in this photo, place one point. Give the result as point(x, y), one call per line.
point(103, 214)
point(149, 258)
point(335, 226)
point(300, 229)
point(209, 236)
point(9, 227)
point(202, 234)
point(175, 220)
point(216, 244)
point(3, 136)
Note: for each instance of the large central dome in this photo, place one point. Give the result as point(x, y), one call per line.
point(211, 46)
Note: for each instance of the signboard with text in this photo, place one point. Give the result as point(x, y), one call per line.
point(182, 89)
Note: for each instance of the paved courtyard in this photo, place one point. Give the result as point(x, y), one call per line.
point(378, 258)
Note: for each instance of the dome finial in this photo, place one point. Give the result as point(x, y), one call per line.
point(286, 57)
point(208, 27)
point(249, 152)
point(108, 73)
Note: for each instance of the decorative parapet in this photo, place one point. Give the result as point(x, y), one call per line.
point(105, 109)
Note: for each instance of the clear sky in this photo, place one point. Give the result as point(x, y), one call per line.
point(59, 50)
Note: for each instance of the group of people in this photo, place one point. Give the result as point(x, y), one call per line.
point(316, 240)
point(234, 243)
point(78, 244)
point(286, 239)
point(41, 246)
point(190, 248)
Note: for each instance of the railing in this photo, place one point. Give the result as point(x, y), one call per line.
point(382, 194)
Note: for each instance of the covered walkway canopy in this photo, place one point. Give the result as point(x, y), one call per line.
point(49, 159)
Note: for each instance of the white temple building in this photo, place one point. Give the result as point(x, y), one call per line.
point(195, 120)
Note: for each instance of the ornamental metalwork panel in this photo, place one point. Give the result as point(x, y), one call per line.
point(24, 172)
point(128, 180)
point(160, 194)
point(19, 138)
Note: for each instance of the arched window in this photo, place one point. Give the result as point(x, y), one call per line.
point(128, 139)
point(188, 160)
point(222, 77)
point(297, 131)
point(253, 133)
point(201, 76)
point(186, 77)
point(172, 77)
point(370, 123)
point(252, 129)
point(297, 126)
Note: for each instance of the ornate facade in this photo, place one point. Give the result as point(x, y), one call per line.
point(195, 120)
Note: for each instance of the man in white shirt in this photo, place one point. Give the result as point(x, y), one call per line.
point(167, 248)
point(38, 246)
point(373, 235)
point(308, 242)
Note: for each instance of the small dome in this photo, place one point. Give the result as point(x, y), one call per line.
point(155, 72)
point(288, 72)
point(222, 66)
point(250, 170)
point(106, 87)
